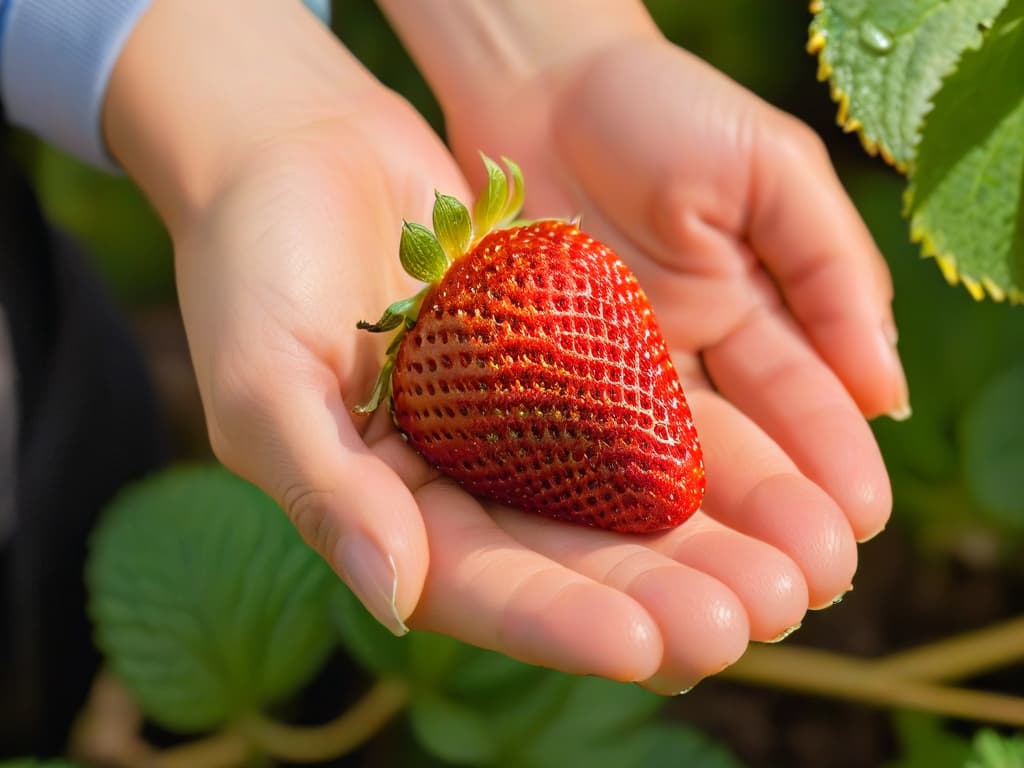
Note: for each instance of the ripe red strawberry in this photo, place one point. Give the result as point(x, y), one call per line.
point(535, 375)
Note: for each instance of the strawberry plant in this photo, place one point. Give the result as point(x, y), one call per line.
point(532, 370)
point(935, 89)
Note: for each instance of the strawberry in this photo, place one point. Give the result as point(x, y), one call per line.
point(532, 371)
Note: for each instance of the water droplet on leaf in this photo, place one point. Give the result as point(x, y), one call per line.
point(875, 38)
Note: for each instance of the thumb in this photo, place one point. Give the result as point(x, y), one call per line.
point(299, 444)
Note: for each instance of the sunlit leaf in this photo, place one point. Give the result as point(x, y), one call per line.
point(993, 440)
point(966, 195)
point(206, 601)
point(885, 59)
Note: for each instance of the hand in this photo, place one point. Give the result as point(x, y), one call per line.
point(766, 284)
point(284, 203)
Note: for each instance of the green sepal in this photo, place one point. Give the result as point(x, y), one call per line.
point(381, 388)
point(393, 316)
point(452, 225)
point(518, 192)
point(490, 207)
point(421, 254)
point(399, 312)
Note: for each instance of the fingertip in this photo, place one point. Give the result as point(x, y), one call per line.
point(769, 584)
point(865, 358)
point(588, 628)
point(705, 619)
point(794, 515)
point(380, 544)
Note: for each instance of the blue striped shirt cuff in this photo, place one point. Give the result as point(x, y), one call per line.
point(55, 61)
point(56, 57)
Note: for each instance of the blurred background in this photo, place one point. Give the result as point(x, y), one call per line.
point(949, 559)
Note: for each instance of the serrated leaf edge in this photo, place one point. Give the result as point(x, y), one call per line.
point(817, 45)
point(977, 286)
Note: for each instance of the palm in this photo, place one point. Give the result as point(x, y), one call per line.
point(280, 373)
point(678, 169)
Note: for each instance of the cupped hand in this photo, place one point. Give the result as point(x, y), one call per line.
point(278, 259)
point(771, 294)
point(274, 272)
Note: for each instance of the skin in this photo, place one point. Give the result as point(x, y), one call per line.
point(282, 170)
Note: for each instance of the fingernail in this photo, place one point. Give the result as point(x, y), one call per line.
point(786, 633)
point(834, 601)
point(664, 687)
point(890, 336)
point(372, 575)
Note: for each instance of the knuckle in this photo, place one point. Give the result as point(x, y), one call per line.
point(307, 509)
point(802, 141)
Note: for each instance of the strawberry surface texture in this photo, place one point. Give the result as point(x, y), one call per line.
point(534, 374)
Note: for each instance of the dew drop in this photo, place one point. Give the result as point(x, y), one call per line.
point(875, 38)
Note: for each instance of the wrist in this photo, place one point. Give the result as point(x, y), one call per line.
point(474, 52)
point(199, 87)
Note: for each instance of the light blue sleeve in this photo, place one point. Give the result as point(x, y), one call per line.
point(56, 57)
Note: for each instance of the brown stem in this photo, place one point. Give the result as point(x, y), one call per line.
point(312, 744)
point(824, 673)
point(965, 655)
point(227, 749)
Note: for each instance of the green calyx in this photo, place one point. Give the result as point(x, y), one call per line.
point(426, 255)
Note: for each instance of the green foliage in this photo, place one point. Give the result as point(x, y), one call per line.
point(965, 196)
point(886, 59)
point(475, 707)
point(112, 219)
point(954, 351)
point(741, 38)
point(993, 439)
point(206, 602)
point(991, 750)
point(925, 743)
point(28, 762)
point(935, 88)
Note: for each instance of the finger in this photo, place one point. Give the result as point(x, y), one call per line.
point(487, 589)
point(769, 372)
point(702, 623)
point(811, 238)
point(769, 584)
point(754, 488)
point(293, 436)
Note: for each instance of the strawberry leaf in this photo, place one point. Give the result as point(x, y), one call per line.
point(492, 204)
point(991, 750)
point(452, 225)
point(993, 447)
point(456, 733)
point(206, 602)
point(885, 60)
point(421, 254)
point(965, 195)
